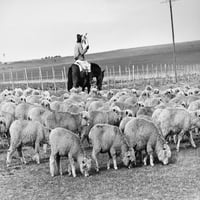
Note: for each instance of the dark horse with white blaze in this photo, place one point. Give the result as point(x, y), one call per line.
point(81, 79)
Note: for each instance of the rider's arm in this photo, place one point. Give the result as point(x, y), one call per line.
point(82, 50)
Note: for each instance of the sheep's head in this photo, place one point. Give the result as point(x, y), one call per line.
point(164, 154)
point(84, 118)
point(85, 165)
point(149, 88)
point(129, 158)
point(156, 91)
point(23, 98)
point(140, 104)
point(45, 104)
point(128, 113)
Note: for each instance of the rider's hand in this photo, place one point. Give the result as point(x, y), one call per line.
point(87, 47)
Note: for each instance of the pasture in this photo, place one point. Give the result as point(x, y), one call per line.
point(178, 180)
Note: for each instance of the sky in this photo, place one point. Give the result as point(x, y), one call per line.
point(32, 29)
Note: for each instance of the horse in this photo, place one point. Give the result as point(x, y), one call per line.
point(81, 79)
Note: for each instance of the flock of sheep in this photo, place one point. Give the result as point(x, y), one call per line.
point(135, 124)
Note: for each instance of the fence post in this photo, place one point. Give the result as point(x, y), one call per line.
point(54, 81)
point(147, 74)
point(113, 68)
point(133, 69)
point(129, 77)
point(26, 78)
point(120, 75)
point(107, 75)
point(41, 81)
point(11, 77)
point(143, 73)
point(165, 73)
point(65, 75)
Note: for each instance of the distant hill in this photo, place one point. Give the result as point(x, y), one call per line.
point(187, 53)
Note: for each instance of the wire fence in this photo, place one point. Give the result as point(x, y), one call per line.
point(54, 77)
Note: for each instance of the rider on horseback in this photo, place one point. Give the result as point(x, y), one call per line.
point(79, 54)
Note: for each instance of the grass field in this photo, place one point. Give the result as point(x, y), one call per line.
point(178, 180)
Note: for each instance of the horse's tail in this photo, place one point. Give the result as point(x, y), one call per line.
point(69, 82)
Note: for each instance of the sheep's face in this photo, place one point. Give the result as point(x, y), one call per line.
point(45, 104)
point(110, 94)
point(129, 158)
point(11, 100)
point(2, 125)
point(156, 91)
point(164, 154)
point(85, 165)
point(84, 118)
point(128, 113)
point(140, 104)
point(23, 99)
point(149, 88)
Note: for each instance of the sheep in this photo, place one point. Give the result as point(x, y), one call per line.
point(123, 106)
point(123, 123)
point(142, 135)
point(194, 105)
point(6, 120)
point(24, 132)
point(177, 121)
point(147, 110)
point(22, 109)
point(109, 139)
point(103, 117)
point(8, 107)
point(75, 122)
point(65, 143)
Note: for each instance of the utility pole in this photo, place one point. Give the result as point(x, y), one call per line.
point(173, 37)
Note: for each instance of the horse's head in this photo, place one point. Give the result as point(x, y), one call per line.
point(100, 80)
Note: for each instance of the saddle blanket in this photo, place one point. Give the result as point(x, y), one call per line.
point(83, 65)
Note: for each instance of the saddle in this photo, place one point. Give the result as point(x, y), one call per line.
point(83, 65)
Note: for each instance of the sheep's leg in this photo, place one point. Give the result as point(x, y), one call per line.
point(175, 138)
point(151, 160)
point(109, 160)
point(94, 156)
point(52, 165)
point(145, 160)
point(191, 139)
point(9, 155)
point(45, 148)
point(196, 130)
point(113, 153)
point(71, 161)
point(36, 157)
point(150, 153)
point(58, 164)
point(180, 136)
point(69, 170)
point(19, 150)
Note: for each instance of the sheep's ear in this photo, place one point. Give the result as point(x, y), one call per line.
point(195, 114)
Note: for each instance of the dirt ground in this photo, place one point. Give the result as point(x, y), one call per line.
point(178, 180)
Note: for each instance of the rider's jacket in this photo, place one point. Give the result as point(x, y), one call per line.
point(79, 52)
